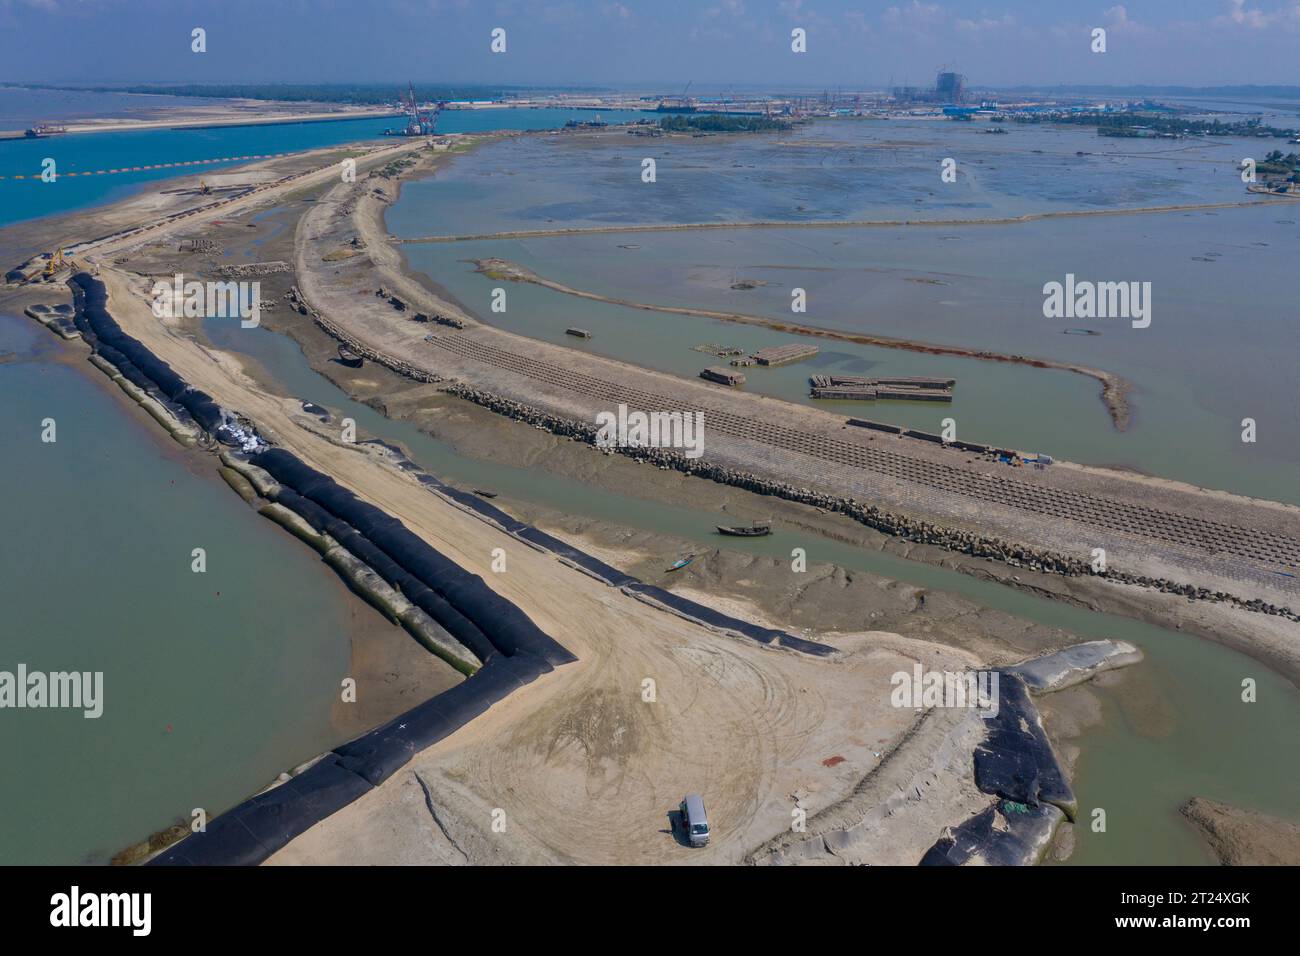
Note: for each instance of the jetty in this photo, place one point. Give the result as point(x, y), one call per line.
point(859, 388)
point(722, 376)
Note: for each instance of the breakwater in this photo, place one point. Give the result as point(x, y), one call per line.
point(339, 334)
point(452, 611)
point(896, 525)
point(459, 602)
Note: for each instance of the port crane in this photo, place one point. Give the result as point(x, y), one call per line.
point(418, 122)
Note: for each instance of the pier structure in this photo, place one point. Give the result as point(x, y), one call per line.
point(917, 388)
point(785, 354)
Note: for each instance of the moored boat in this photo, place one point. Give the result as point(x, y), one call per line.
point(752, 531)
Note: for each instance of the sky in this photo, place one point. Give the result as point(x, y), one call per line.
point(652, 44)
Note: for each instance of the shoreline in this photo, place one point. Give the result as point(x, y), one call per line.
point(258, 113)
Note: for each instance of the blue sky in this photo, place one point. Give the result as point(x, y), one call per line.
point(715, 43)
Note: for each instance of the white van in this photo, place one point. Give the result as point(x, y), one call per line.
point(694, 820)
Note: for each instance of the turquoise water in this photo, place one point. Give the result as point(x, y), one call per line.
point(28, 199)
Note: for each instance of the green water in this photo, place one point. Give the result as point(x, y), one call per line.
point(1176, 730)
point(214, 682)
point(245, 679)
point(1220, 347)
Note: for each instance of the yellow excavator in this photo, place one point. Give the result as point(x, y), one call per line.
point(55, 263)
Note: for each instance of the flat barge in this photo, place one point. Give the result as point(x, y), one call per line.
point(722, 376)
point(785, 354)
point(859, 388)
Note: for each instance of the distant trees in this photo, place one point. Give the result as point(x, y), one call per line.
point(722, 123)
point(1139, 123)
point(1277, 163)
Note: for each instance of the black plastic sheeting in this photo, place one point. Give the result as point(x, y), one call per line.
point(1016, 761)
point(707, 615)
point(137, 364)
point(1005, 834)
point(607, 573)
point(248, 834)
point(418, 593)
point(508, 629)
point(514, 650)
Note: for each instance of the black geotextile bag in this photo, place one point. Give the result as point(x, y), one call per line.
point(415, 591)
point(376, 756)
point(1016, 761)
point(256, 828)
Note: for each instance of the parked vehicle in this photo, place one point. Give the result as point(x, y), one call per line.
point(694, 820)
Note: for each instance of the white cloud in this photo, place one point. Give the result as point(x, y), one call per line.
point(915, 14)
point(1255, 18)
point(1005, 22)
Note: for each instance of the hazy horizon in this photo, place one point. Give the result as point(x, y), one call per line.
point(715, 43)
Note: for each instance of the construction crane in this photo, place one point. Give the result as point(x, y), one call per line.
point(418, 122)
point(681, 105)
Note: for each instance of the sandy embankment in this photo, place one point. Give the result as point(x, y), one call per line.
point(1269, 639)
point(238, 113)
point(743, 723)
point(1243, 837)
point(751, 727)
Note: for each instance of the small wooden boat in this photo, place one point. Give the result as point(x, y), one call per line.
point(753, 531)
point(681, 563)
point(484, 493)
point(349, 358)
point(578, 333)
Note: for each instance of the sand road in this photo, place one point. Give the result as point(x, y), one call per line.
point(580, 766)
